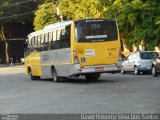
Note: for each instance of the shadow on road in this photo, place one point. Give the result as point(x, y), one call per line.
point(78, 81)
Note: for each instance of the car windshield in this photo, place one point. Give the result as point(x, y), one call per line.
point(148, 55)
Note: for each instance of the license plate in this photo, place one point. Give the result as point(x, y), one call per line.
point(99, 69)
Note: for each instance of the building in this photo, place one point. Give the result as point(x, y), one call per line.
point(15, 50)
point(15, 34)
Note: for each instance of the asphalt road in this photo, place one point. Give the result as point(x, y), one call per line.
point(114, 93)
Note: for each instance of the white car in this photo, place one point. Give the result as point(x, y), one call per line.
point(137, 62)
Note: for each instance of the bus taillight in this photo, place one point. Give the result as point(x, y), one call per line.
point(75, 56)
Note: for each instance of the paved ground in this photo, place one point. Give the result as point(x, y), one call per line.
point(7, 65)
point(4, 65)
point(114, 93)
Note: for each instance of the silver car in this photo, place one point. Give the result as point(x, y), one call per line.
point(139, 62)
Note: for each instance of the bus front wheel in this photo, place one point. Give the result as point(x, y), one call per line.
point(30, 75)
point(93, 76)
point(54, 75)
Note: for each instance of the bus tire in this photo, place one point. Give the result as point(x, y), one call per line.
point(31, 77)
point(93, 76)
point(54, 75)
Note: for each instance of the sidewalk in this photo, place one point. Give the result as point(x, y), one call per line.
point(6, 65)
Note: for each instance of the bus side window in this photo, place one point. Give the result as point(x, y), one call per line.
point(38, 43)
point(58, 34)
point(50, 40)
point(35, 44)
point(31, 45)
point(65, 37)
point(46, 42)
point(57, 42)
point(41, 42)
point(61, 38)
point(54, 38)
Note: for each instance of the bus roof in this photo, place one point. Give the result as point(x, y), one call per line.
point(61, 24)
point(52, 26)
point(57, 25)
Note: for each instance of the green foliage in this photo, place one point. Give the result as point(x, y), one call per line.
point(139, 20)
point(69, 9)
point(79, 9)
point(45, 15)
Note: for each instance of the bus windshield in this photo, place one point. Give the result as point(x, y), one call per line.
point(97, 30)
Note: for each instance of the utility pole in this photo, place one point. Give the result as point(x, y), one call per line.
point(58, 11)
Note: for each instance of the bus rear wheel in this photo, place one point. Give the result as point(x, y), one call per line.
point(93, 76)
point(54, 75)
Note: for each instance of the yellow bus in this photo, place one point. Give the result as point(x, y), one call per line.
point(86, 47)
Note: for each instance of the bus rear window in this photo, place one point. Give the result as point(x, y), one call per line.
point(96, 30)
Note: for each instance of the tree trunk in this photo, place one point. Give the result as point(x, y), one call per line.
point(2, 38)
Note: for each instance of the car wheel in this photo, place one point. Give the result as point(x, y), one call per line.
point(54, 75)
point(136, 70)
point(154, 73)
point(122, 70)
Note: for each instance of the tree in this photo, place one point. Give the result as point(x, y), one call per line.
point(138, 21)
point(70, 10)
point(15, 11)
point(45, 15)
point(79, 9)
